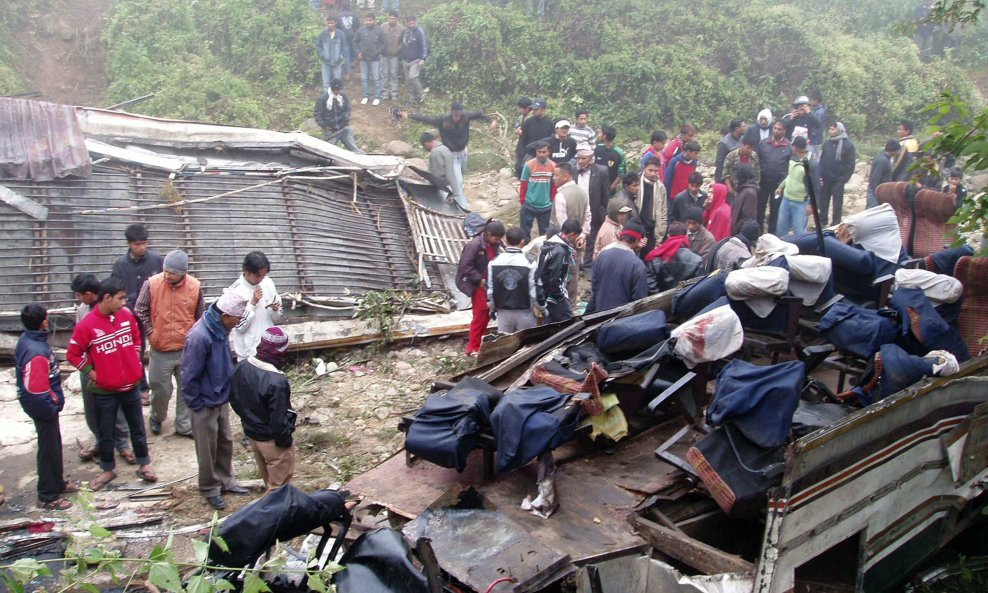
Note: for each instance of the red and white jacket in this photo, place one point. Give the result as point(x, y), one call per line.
point(110, 344)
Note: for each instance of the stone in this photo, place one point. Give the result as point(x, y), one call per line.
point(399, 148)
point(505, 173)
point(332, 367)
point(309, 126)
point(391, 392)
point(855, 183)
point(382, 413)
point(8, 393)
point(418, 162)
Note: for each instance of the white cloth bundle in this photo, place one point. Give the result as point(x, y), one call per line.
point(757, 287)
point(877, 230)
point(939, 288)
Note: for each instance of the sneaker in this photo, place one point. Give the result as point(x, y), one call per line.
point(376, 102)
point(155, 426)
point(363, 101)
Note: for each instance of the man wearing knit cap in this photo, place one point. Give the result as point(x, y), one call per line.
point(206, 371)
point(729, 253)
point(263, 304)
point(167, 306)
point(261, 395)
point(619, 276)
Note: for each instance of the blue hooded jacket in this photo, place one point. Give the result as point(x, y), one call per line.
point(207, 363)
point(38, 405)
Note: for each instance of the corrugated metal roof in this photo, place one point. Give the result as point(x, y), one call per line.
point(40, 141)
point(321, 240)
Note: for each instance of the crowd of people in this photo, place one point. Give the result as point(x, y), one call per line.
point(223, 354)
point(641, 232)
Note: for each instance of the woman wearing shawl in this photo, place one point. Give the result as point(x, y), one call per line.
point(717, 218)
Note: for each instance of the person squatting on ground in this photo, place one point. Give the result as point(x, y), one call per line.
point(39, 391)
point(106, 347)
point(260, 394)
point(207, 367)
point(168, 306)
point(511, 286)
point(471, 278)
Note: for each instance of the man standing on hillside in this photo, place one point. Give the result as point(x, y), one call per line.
point(39, 391)
point(610, 156)
point(572, 203)
point(536, 127)
point(837, 161)
point(368, 43)
point(773, 157)
point(206, 371)
point(441, 165)
point(454, 130)
point(746, 154)
point(133, 269)
point(881, 170)
point(106, 346)
point(908, 147)
point(414, 52)
point(680, 168)
point(394, 33)
point(168, 306)
point(333, 49)
point(263, 307)
point(333, 116)
point(524, 108)
point(537, 191)
point(686, 134)
point(581, 133)
point(593, 179)
point(651, 204)
point(562, 148)
point(730, 142)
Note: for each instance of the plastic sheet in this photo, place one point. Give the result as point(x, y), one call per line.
point(41, 141)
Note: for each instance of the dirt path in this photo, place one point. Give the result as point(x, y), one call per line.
point(62, 53)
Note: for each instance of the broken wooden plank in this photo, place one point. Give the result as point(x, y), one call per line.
point(702, 557)
point(132, 521)
point(23, 204)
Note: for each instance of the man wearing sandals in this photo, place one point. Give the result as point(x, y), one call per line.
point(106, 347)
point(85, 287)
point(39, 390)
point(207, 366)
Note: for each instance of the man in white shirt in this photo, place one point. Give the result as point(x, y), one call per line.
point(263, 304)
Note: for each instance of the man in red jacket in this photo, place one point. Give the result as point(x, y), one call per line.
point(106, 347)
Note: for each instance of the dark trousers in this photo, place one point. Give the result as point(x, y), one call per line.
point(121, 438)
point(106, 409)
point(828, 190)
point(768, 200)
point(51, 482)
point(528, 215)
point(560, 311)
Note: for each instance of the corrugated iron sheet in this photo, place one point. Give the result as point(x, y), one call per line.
point(40, 141)
point(321, 240)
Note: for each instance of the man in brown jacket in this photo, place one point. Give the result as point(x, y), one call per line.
point(168, 305)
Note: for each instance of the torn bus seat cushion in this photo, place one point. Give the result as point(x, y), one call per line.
point(632, 334)
point(445, 429)
point(921, 328)
point(380, 562)
point(736, 471)
point(528, 422)
point(758, 400)
point(857, 330)
point(284, 513)
point(708, 336)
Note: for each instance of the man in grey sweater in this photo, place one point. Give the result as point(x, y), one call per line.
point(441, 166)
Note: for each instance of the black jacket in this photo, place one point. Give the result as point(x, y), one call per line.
point(560, 151)
point(833, 170)
point(553, 270)
point(599, 192)
point(134, 272)
point(535, 129)
point(664, 275)
point(455, 135)
point(334, 118)
point(261, 395)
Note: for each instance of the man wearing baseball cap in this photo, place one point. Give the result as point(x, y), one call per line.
point(618, 213)
point(619, 275)
point(535, 128)
point(562, 148)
